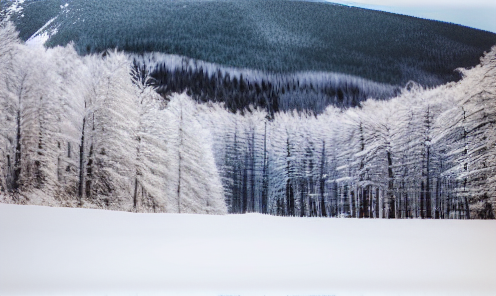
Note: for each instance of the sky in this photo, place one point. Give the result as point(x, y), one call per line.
point(479, 14)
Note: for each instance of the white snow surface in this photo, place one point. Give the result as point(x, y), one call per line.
point(41, 36)
point(14, 7)
point(67, 251)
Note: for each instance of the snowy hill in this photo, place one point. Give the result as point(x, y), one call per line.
point(61, 251)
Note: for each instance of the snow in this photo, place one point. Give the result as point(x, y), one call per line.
point(38, 40)
point(64, 251)
point(15, 7)
point(41, 36)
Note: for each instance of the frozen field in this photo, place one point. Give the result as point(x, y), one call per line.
point(62, 251)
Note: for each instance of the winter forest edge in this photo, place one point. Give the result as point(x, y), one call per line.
point(85, 132)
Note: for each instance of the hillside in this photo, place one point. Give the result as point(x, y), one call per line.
point(272, 36)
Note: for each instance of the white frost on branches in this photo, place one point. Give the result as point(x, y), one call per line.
point(78, 131)
point(83, 131)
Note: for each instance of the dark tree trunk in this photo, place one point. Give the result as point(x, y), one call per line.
point(265, 177)
point(352, 204)
point(289, 198)
point(135, 195)
point(81, 164)
point(323, 212)
point(376, 208)
point(428, 206)
point(437, 201)
point(245, 186)
point(422, 192)
point(180, 160)
point(252, 180)
point(467, 209)
point(366, 202)
point(89, 173)
point(17, 159)
point(392, 206)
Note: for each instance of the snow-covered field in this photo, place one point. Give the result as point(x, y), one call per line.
point(63, 251)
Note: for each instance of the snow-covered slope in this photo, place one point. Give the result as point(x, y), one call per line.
point(62, 251)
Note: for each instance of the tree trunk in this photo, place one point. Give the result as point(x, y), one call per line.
point(17, 159)
point(265, 177)
point(422, 192)
point(391, 206)
point(428, 205)
point(81, 165)
point(180, 159)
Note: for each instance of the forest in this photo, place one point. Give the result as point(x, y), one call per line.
point(90, 131)
point(239, 89)
point(80, 132)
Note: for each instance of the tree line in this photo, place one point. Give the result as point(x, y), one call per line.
point(91, 132)
point(428, 153)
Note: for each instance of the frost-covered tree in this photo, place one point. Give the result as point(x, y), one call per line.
point(110, 135)
point(70, 96)
point(40, 97)
point(222, 126)
point(196, 183)
point(449, 143)
point(9, 48)
point(34, 129)
point(78, 131)
point(153, 164)
point(476, 98)
point(379, 124)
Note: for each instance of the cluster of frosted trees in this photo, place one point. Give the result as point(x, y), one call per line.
point(425, 154)
point(78, 131)
point(81, 131)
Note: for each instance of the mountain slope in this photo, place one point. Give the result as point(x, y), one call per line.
point(274, 36)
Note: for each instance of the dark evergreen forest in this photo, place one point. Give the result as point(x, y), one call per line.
point(242, 89)
point(274, 36)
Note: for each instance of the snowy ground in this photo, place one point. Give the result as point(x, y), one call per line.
point(62, 251)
